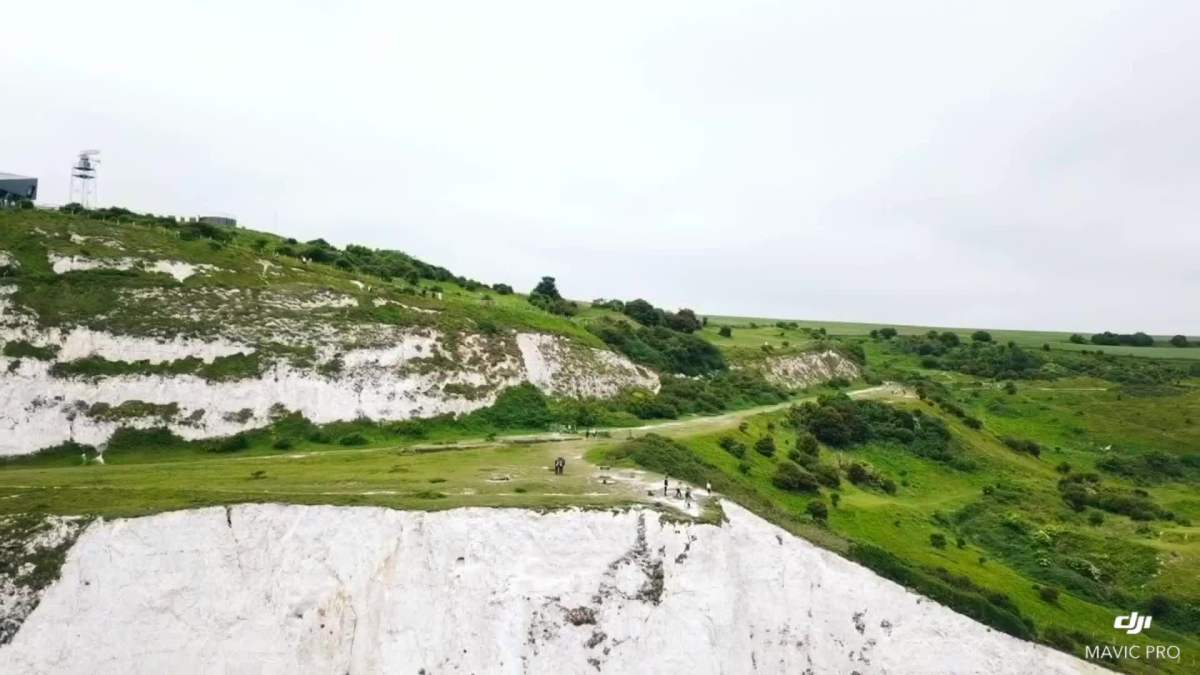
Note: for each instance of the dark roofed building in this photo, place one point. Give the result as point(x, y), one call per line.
point(14, 188)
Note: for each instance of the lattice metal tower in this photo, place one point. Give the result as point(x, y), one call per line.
point(83, 179)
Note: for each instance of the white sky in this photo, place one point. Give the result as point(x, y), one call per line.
point(1015, 164)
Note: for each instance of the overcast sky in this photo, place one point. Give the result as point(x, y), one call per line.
point(1032, 165)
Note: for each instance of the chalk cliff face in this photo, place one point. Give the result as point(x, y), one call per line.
point(303, 589)
point(399, 373)
point(802, 370)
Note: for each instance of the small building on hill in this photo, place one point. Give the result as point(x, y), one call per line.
point(14, 188)
point(227, 220)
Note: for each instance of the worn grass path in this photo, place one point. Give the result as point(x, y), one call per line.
point(512, 471)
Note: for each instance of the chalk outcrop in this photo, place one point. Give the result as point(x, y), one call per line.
point(304, 589)
point(796, 371)
point(40, 409)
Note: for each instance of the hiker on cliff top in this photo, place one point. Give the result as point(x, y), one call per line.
point(666, 479)
point(687, 497)
point(678, 491)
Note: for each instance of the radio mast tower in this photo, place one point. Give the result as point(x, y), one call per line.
point(83, 179)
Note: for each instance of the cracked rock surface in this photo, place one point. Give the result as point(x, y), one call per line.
point(317, 589)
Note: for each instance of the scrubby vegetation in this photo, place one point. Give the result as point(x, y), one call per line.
point(1138, 339)
point(840, 421)
point(21, 349)
point(661, 454)
point(942, 351)
point(660, 347)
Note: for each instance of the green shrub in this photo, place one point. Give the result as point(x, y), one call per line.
point(664, 455)
point(790, 477)
point(1025, 446)
point(937, 540)
point(807, 443)
point(21, 349)
point(352, 439)
point(319, 436)
point(817, 510)
point(233, 443)
point(128, 438)
point(765, 446)
point(521, 407)
point(410, 428)
point(826, 474)
point(732, 446)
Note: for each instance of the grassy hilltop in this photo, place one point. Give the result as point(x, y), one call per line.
point(1037, 484)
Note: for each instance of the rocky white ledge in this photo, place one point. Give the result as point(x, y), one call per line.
point(304, 589)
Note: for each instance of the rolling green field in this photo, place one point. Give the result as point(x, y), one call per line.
point(765, 331)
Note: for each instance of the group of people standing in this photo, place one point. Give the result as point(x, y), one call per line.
point(683, 492)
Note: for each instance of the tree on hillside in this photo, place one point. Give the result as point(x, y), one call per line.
point(725, 332)
point(545, 296)
point(684, 321)
point(981, 336)
point(887, 332)
point(547, 288)
point(1078, 339)
point(1179, 341)
point(643, 312)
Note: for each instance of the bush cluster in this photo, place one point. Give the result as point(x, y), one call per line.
point(660, 347)
point(840, 421)
point(1082, 490)
point(1138, 339)
point(1151, 467)
point(1023, 445)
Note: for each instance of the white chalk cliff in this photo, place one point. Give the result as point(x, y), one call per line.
point(306, 589)
point(406, 373)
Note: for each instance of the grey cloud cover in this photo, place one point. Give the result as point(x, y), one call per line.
point(1011, 164)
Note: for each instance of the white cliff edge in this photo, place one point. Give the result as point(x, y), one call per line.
point(308, 589)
